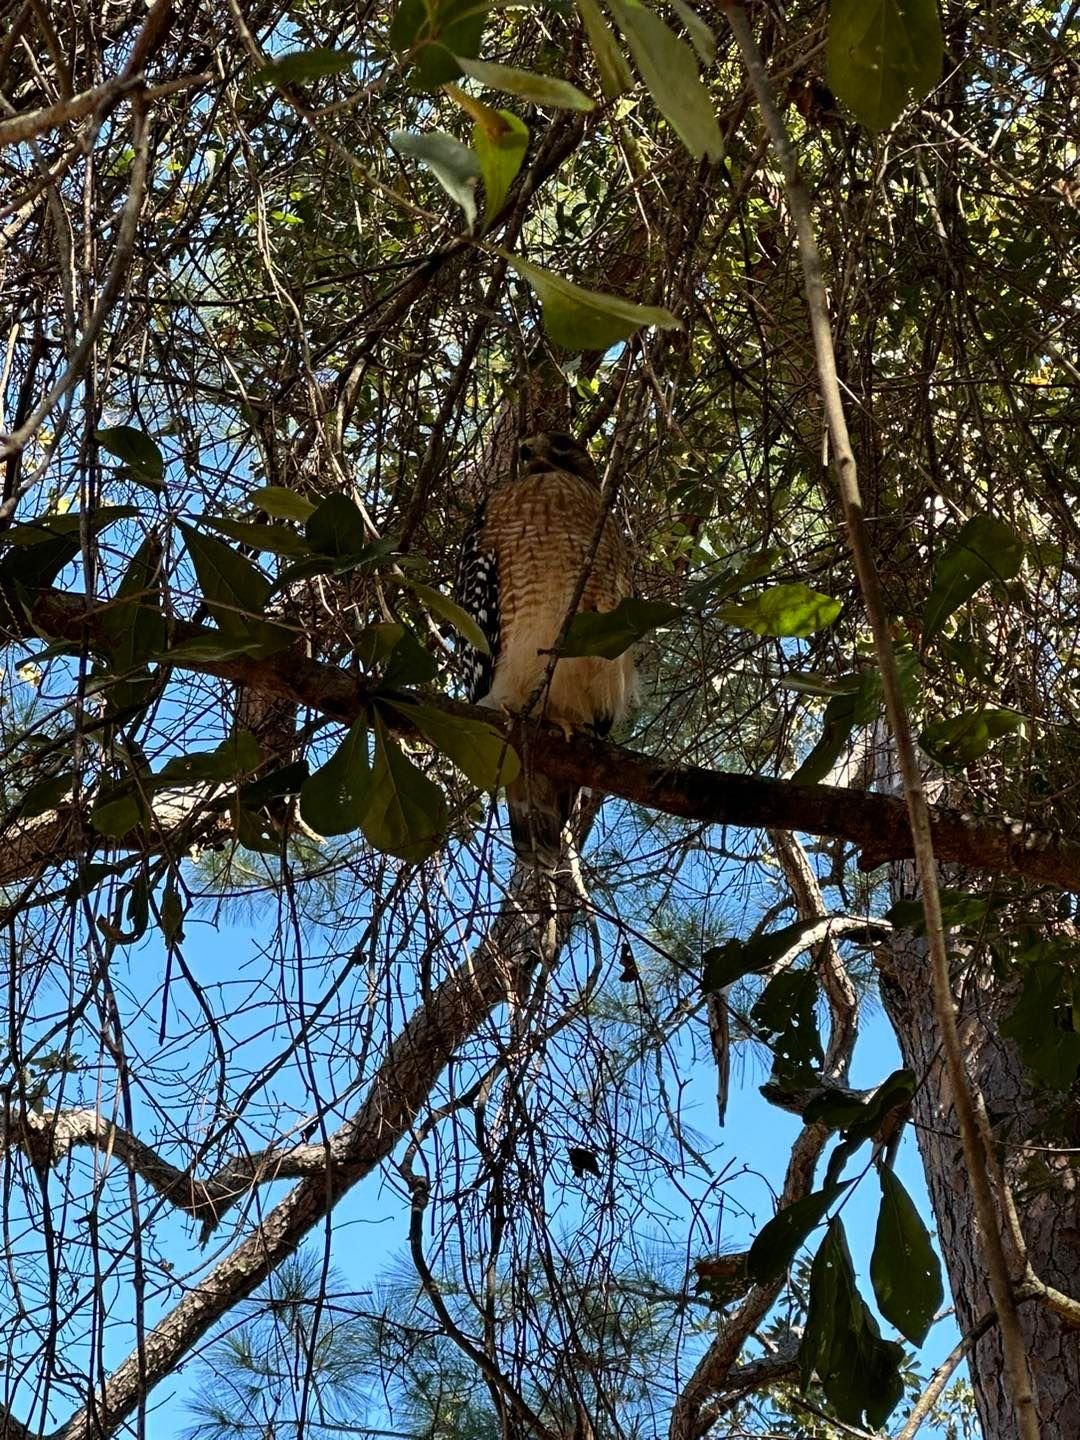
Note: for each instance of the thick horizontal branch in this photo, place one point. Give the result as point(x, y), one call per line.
point(876, 824)
point(47, 1138)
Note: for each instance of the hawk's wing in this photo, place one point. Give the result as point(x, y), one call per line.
point(476, 590)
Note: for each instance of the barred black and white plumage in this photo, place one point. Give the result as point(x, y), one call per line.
point(521, 564)
point(476, 590)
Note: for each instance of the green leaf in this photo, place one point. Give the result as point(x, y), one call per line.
point(880, 52)
point(906, 1273)
point(783, 1017)
point(842, 1344)
point(133, 625)
point(409, 664)
point(615, 74)
point(302, 66)
point(407, 813)
point(237, 755)
point(286, 780)
point(33, 567)
point(839, 723)
point(580, 319)
point(500, 155)
point(1042, 1023)
point(861, 1119)
point(779, 1241)
point(235, 590)
point(453, 614)
point(48, 527)
point(962, 739)
point(336, 527)
point(543, 90)
point(960, 909)
point(430, 33)
point(138, 452)
point(118, 809)
point(728, 582)
point(701, 36)
point(310, 565)
point(670, 72)
point(476, 748)
point(282, 504)
point(724, 964)
point(608, 633)
point(983, 550)
point(788, 610)
point(277, 539)
point(334, 799)
point(45, 794)
point(455, 166)
point(375, 643)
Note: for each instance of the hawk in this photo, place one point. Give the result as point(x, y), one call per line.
point(522, 559)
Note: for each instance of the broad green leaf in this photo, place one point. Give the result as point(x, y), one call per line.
point(839, 723)
point(728, 582)
point(409, 664)
point(984, 549)
point(133, 624)
point(45, 794)
point(453, 614)
point(286, 780)
point(336, 528)
point(842, 1344)
point(962, 739)
point(406, 813)
point(282, 504)
point(302, 66)
point(430, 33)
point(118, 809)
point(779, 1241)
point(277, 539)
point(455, 166)
point(32, 567)
point(880, 53)
point(375, 643)
point(960, 909)
point(237, 755)
point(615, 75)
point(138, 452)
point(580, 319)
point(543, 90)
point(783, 1017)
point(49, 527)
point(701, 36)
point(477, 749)
point(789, 610)
point(861, 1119)
point(1043, 1021)
point(608, 633)
point(724, 964)
point(235, 590)
point(500, 154)
point(906, 1273)
point(310, 565)
point(669, 69)
point(333, 799)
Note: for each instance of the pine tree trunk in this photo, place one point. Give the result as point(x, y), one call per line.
point(1044, 1182)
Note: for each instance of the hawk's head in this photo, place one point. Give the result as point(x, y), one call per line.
point(554, 450)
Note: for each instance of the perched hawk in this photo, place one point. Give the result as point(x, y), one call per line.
point(528, 545)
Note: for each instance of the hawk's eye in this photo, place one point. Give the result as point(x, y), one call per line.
point(525, 451)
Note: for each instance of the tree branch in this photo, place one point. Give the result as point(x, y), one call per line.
point(877, 824)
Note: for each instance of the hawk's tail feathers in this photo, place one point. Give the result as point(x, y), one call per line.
point(539, 810)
